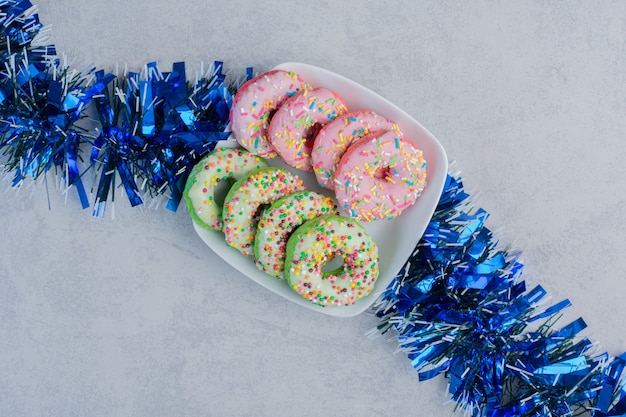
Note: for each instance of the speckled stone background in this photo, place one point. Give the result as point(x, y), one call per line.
point(134, 316)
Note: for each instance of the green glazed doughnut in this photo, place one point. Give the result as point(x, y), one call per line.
point(314, 244)
point(219, 165)
point(247, 197)
point(279, 220)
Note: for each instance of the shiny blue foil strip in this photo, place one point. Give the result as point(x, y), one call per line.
point(159, 129)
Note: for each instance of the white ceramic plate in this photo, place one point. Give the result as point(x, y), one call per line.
point(396, 238)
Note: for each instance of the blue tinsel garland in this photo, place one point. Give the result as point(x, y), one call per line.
point(458, 307)
point(147, 129)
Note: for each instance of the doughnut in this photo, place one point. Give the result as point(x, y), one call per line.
point(278, 222)
point(315, 243)
point(334, 139)
point(379, 176)
point(217, 166)
point(246, 199)
point(296, 122)
point(254, 103)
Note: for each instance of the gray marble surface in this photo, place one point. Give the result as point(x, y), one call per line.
point(134, 316)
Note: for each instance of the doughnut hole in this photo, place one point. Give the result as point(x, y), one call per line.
point(334, 265)
point(309, 135)
point(383, 173)
point(271, 114)
point(222, 188)
point(256, 216)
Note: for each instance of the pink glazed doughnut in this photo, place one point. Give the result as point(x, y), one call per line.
point(334, 139)
point(254, 104)
point(379, 176)
point(296, 122)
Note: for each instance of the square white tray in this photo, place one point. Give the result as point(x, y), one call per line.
point(395, 238)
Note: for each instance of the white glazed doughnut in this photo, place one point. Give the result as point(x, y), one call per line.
point(247, 197)
point(279, 220)
point(222, 164)
point(314, 244)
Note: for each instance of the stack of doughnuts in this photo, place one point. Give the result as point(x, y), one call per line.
point(291, 232)
point(375, 171)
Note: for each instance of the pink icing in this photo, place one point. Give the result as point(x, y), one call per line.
point(379, 176)
point(334, 139)
point(296, 122)
point(254, 104)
